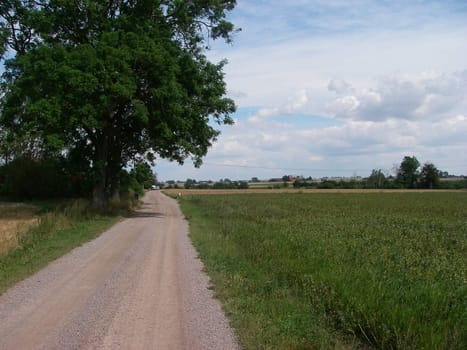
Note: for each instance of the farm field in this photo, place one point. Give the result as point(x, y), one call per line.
point(337, 270)
point(176, 191)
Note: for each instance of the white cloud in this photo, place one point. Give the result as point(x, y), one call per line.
point(295, 104)
point(268, 71)
point(315, 157)
point(391, 75)
point(236, 94)
point(403, 97)
point(345, 105)
point(340, 86)
point(355, 147)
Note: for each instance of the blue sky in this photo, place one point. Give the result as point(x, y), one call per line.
point(338, 88)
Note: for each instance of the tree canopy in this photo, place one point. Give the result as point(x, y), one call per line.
point(407, 174)
point(376, 178)
point(429, 176)
point(110, 82)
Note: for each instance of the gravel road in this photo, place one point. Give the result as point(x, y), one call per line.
point(138, 286)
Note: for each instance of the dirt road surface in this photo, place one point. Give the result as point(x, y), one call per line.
point(138, 286)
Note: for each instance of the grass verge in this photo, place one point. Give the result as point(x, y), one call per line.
point(56, 233)
point(327, 271)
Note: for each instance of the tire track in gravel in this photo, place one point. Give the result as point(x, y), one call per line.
point(138, 286)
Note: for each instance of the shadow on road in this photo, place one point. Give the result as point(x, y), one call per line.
point(146, 210)
point(146, 214)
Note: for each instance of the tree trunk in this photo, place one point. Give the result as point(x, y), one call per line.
point(99, 195)
point(114, 188)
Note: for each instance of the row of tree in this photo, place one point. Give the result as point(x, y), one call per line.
point(409, 174)
point(219, 185)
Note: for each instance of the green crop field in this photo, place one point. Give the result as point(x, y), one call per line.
point(327, 271)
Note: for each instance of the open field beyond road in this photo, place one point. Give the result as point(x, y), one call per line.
point(176, 191)
point(337, 270)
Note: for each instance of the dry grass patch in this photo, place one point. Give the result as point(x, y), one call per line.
point(42, 233)
point(15, 220)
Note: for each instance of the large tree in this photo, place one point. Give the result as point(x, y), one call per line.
point(376, 179)
point(407, 174)
point(110, 81)
point(429, 176)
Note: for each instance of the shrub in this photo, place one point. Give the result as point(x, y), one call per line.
point(26, 178)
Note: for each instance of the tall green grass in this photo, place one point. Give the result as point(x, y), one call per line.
point(326, 271)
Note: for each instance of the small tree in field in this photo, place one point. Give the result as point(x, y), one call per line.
point(429, 176)
point(376, 179)
point(407, 174)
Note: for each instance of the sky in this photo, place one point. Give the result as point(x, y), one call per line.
point(338, 88)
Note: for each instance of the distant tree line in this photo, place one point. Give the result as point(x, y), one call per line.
point(225, 184)
point(410, 175)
